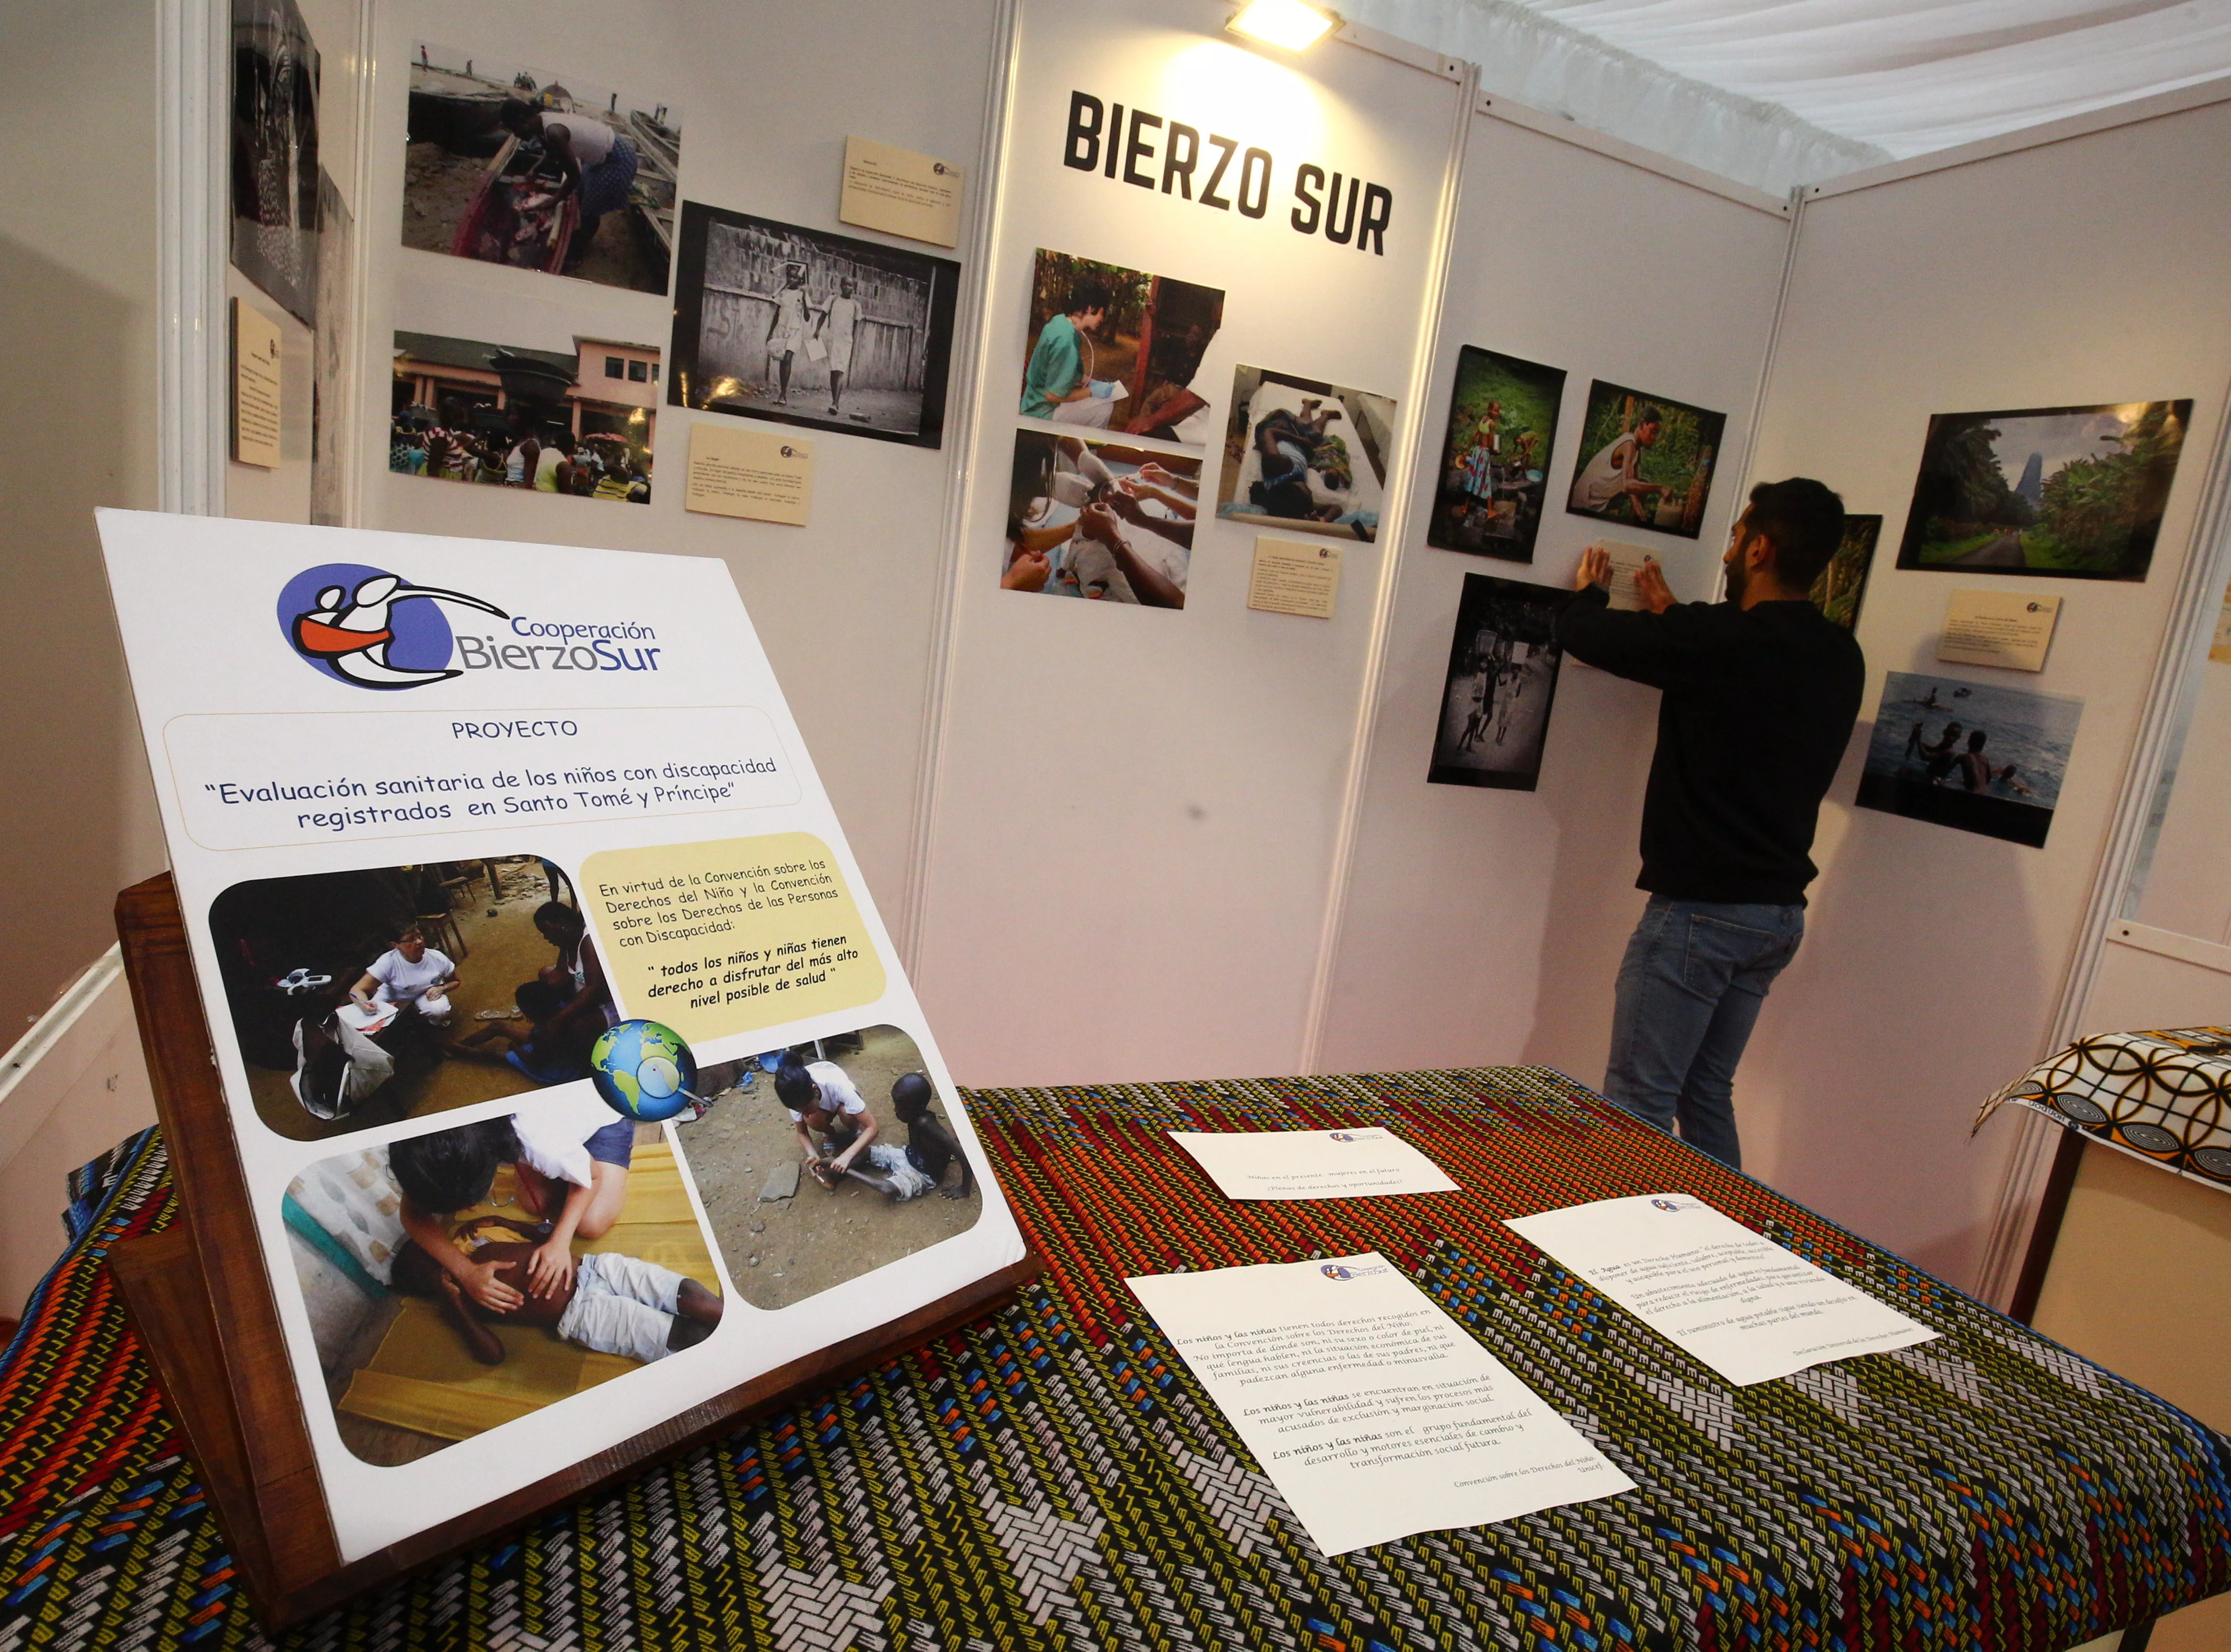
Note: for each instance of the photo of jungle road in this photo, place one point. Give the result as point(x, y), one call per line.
point(2075, 493)
point(824, 1161)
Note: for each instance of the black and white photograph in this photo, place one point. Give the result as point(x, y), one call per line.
point(522, 165)
point(810, 328)
point(1501, 682)
point(275, 153)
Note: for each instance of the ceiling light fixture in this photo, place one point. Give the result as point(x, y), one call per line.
point(1292, 25)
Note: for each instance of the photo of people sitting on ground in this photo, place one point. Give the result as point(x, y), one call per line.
point(363, 998)
point(1100, 519)
point(1301, 454)
point(1118, 349)
point(824, 1161)
point(456, 1280)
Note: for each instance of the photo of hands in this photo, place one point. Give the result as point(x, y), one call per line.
point(1099, 519)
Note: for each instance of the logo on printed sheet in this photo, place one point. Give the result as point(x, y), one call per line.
point(1667, 1205)
point(1333, 1270)
point(371, 628)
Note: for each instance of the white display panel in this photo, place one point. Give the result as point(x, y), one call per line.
point(633, 739)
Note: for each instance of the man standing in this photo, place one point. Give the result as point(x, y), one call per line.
point(1057, 383)
point(1760, 695)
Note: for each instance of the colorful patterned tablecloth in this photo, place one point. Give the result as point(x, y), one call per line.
point(2164, 1097)
point(1052, 1478)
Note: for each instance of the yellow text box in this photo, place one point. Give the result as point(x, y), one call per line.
point(720, 938)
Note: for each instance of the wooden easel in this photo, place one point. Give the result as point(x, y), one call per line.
point(199, 1297)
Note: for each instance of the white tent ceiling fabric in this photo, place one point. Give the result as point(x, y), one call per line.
point(1778, 94)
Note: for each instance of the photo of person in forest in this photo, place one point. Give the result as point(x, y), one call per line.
point(1495, 453)
point(2075, 493)
point(1646, 461)
point(1843, 583)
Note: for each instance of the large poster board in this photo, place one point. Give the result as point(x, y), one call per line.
point(572, 1073)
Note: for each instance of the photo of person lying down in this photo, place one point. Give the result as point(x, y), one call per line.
point(1303, 454)
point(459, 1279)
point(1100, 519)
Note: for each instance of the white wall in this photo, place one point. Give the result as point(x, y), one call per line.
point(768, 91)
point(77, 334)
point(1138, 808)
point(2087, 271)
point(1485, 925)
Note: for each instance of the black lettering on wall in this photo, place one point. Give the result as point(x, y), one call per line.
point(1082, 150)
point(1302, 179)
point(1340, 230)
point(1228, 147)
point(1377, 209)
point(1180, 172)
point(1114, 140)
point(1139, 149)
point(1255, 183)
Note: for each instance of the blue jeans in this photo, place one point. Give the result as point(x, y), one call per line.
point(1689, 988)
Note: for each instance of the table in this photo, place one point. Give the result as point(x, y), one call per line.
point(1052, 1477)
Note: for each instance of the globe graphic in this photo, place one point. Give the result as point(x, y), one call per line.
point(643, 1070)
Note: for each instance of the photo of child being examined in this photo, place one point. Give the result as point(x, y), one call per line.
point(363, 998)
point(1100, 519)
point(459, 1279)
point(824, 1161)
point(1301, 454)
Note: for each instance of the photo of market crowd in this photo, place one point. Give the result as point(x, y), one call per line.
point(577, 422)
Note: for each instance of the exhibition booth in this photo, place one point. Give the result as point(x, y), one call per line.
point(1150, 462)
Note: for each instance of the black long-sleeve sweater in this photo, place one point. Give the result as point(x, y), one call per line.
point(1758, 706)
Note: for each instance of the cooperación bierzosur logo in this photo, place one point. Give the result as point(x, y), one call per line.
point(371, 628)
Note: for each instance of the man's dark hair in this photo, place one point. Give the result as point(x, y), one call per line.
point(1803, 520)
point(794, 1087)
point(1086, 295)
point(451, 1170)
point(558, 915)
point(910, 1095)
point(1976, 740)
point(1651, 413)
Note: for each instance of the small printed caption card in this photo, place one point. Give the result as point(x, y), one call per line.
point(1312, 1163)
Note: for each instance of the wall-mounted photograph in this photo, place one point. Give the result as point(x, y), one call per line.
point(460, 1279)
point(275, 153)
point(1842, 585)
point(1502, 680)
point(806, 327)
point(1495, 455)
point(824, 1161)
point(1646, 461)
point(2075, 493)
point(537, 168)
point(364, 998)
point(1118, 349)
point(578, 421)
point(1303, 454)
point(1101, 519)
point(1969, 755)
